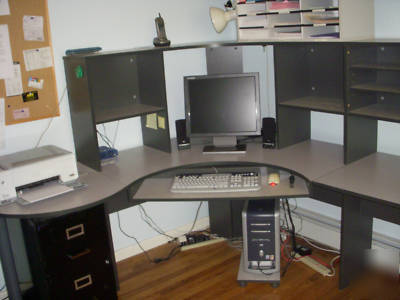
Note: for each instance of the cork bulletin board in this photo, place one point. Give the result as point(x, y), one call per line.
point(30, 94)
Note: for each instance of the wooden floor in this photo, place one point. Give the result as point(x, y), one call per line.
point(210, 273)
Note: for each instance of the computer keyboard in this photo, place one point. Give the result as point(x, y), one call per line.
point(217, 182)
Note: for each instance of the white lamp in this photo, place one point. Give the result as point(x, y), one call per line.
point(220, 17)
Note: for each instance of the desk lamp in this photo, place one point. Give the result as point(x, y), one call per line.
point(220, 17)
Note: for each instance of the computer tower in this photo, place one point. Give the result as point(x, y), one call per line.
point(261, 244)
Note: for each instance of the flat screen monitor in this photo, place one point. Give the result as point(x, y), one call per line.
point(224, 107)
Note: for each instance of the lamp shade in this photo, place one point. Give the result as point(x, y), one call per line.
point(220, 18)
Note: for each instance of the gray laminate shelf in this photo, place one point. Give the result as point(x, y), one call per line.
point(377, 87)
point(379, 111)
point(376, 66)
point(323, 104)
point(124, 112)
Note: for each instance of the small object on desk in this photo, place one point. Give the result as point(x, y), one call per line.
point(291, 181)
point(161, 39)
point(107, 152)
point(182, 138)
point(273, 179)
point(108, 155)
point(34, 167)
point(82, 50)
point(268, 132)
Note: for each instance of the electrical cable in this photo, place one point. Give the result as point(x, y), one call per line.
point(51, 120)
point(317, 247)
point(331, 264)
point(195, 218)
point(293, 228)
point(284, 213)
point(132, 237)
point(149, 221)
point(104, 138)
point(115, 134)
point(286, 267)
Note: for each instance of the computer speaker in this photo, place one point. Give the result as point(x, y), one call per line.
point(268, 132)
point(182, 139)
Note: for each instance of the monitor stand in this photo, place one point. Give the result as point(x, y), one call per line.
point(225, 145)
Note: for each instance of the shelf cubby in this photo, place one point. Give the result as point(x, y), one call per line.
point(322, 104)
point(308, 77)
point(372, 93)
point(106, 87)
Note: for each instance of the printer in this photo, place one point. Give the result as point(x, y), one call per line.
point(36, 167)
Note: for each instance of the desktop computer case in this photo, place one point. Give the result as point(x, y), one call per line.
point(261, 242)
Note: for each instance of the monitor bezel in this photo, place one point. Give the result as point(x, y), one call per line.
point(187, 79)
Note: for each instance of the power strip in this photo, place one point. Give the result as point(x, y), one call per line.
point(313, 264)
point(201, 244)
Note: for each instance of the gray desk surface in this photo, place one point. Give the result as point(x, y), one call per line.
point(311, 159)
point(148, 192)
point(375, 176)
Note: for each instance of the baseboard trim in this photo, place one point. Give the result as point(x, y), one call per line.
point(315, 226)
point(148, 244)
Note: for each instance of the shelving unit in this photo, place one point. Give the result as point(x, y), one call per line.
point(106, 87)
point(372, 91)
point(307, 78)
point(305, 19)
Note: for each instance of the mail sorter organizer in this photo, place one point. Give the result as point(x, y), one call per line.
point(70, 256)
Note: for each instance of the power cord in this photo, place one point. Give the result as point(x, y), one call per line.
point(195, 218)
point(51, 120)
point(173, 251)
point(132, 237)
point(149, 221)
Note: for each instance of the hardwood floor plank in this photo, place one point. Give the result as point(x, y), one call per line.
point(210, 273)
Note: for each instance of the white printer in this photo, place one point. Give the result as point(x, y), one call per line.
point(47, 165)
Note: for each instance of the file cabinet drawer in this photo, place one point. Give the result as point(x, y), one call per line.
point(71, 256)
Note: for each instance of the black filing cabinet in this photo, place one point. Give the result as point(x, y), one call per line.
point(71, 256)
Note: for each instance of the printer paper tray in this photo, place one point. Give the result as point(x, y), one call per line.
point(42, 192)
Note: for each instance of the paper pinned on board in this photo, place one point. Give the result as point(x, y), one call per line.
point(35, 83)
point(21, 113)
point(4, 8)
point(14, 83)
point(2, 124)
point(39, 58)
point(33, 28)
point(6, 62)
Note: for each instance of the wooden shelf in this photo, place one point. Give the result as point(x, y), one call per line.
point(379, 111)
point(323, 104)
point(376, 66)
point(376, 87)
point(124, 112)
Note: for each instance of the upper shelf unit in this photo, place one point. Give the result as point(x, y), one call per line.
point(308, 77)
point(106, 87)
point(305, 19)
point(373, 81)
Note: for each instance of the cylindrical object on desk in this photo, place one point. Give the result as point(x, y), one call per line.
point(268, 132)
point(183, 140)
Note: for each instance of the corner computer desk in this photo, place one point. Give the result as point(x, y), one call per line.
point(364, 189)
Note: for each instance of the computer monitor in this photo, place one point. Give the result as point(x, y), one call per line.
point(223, 107)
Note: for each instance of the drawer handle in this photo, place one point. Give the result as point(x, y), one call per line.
point(75, 231)
point(82, 282)
point(75, 256)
